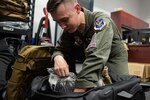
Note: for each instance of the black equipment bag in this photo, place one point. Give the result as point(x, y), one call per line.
point(9, 47)
point(127, 88)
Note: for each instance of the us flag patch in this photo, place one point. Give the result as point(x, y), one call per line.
point(92, 45)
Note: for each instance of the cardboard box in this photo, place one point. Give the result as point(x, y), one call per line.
point(140, 69)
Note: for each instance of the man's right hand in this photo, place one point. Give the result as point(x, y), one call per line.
point(61, 67)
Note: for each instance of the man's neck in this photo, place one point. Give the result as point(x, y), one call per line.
point(82, 24)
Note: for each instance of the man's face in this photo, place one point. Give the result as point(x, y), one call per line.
point(67, 17)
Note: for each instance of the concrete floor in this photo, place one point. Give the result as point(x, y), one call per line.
point(147, 90)
point(147, 94)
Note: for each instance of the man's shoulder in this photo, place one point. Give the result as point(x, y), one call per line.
point(101, 20)
point(100, 14)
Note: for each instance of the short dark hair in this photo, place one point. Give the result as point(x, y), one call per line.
point(53, 4)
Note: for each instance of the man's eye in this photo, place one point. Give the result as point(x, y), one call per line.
point(65, 20)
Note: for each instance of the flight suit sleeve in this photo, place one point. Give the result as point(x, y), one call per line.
point(97, 54)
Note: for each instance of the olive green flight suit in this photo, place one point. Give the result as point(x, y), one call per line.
point(102, 48)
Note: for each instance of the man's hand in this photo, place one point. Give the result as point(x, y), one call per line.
point(60, 66)
point(80, 90)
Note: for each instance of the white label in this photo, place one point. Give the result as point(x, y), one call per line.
point(8, 29)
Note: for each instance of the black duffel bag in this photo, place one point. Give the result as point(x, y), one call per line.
point(9, 47)
point(123, 88)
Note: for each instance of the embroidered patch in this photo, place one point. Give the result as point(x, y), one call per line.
point(78, 41)
point(99, 24)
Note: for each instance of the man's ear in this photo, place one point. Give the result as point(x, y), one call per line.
point(78, 7)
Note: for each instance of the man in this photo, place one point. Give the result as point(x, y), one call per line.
point(98, 35)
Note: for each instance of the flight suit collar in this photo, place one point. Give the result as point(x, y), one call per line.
point(88, 21)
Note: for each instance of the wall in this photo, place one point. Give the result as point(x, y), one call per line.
point(144, 12)
point(138, 8)
point(131, 6)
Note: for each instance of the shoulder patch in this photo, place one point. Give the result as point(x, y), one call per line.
point(99, 24)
